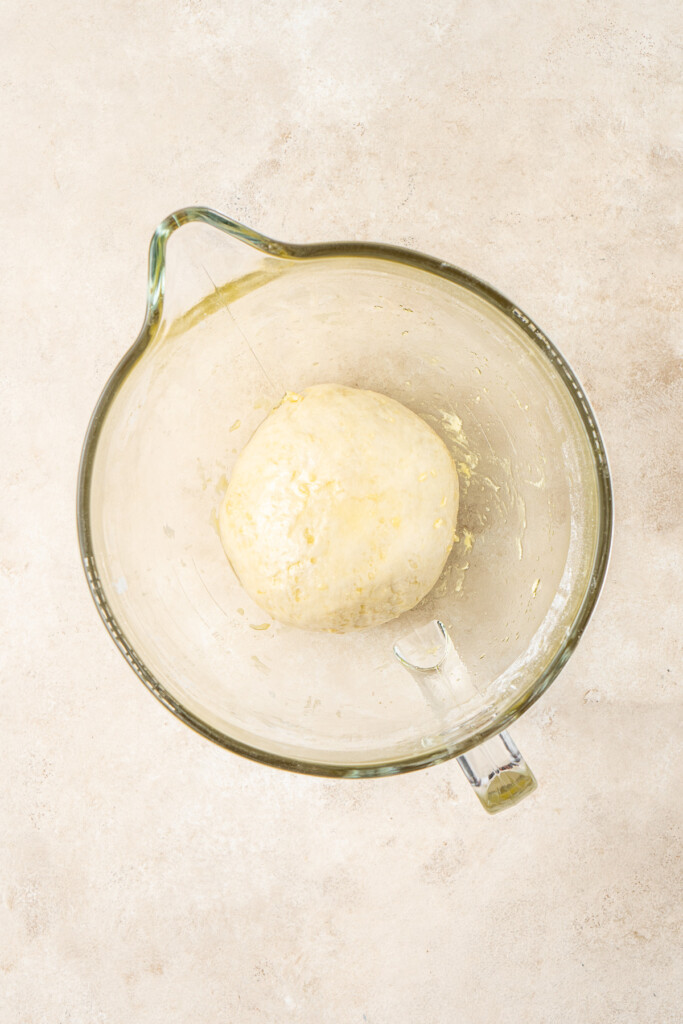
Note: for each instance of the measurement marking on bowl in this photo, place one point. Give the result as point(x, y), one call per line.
point(239, 330)
point(206, 588)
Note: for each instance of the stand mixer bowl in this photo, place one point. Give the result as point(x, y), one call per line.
point(234, 320)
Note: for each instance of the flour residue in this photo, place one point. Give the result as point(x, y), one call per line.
point(488, 495)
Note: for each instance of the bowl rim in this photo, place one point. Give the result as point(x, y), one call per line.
point(371, 250)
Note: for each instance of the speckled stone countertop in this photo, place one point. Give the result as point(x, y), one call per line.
point(148, 876)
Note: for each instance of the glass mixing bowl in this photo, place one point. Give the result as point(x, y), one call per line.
point(233, 321)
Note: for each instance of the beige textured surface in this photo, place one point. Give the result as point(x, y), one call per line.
point(144, 874)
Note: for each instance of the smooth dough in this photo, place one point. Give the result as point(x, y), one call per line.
point(341, 509)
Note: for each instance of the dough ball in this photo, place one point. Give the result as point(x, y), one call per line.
point(341, 509)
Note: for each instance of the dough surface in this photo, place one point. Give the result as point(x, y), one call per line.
point(341, 509)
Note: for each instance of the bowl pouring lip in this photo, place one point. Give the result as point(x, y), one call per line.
point(394, 254)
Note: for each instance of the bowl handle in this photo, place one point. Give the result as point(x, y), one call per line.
point(495, 769)
point(498, 773)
